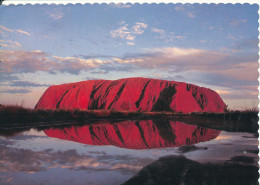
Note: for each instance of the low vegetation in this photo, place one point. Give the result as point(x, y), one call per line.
point(19, 114)
point(11, 116)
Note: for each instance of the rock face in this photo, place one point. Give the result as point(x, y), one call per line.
point(180, 170)
point(136, 134)
point(132, 94)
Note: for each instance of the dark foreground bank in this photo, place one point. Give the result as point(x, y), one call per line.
point(180, 170)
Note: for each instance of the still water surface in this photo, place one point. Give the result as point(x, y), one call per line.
point(109, 153)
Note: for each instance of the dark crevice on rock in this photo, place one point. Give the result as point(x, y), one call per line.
point(200, 100)
point(165, 99)
point(94, 90)
point(58, 104)
point(117, 95)
point(137, 103)
point(188, 87)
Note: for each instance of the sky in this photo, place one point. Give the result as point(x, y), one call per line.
point(209, 45)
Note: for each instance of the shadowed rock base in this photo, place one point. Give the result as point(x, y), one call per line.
point(176, 170)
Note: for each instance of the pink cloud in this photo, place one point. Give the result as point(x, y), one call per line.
point(10, 44)
point(4, 31)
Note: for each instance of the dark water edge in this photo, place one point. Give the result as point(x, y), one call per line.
point(233, 121)
point(180, 170)
point(213, 121)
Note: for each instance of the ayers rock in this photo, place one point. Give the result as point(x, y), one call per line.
point(132, 94)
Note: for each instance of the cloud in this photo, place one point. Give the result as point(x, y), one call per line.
point(56, 15)
point(177, 37)
point(130, 43)
point(231, 37)
point(160, 32)
point(237, 22)
point(245, 71)
point(233, 94)
point(179, 8)
point(33, 61)
point(174, 51)
point(173, 57)
point(23, 61)
point(190, 15)
point(206, 67)
point(10, 44)
point(120, 5)
point(138, 28)
point(129, 33)
point(157, 30)
point(251, 43)
point(28, 161)
point(181, 59)
point(130, 37)
point(242, 94)
point(16, 91)
point(23, 32)
point(183, 9)
point(125, 61)
point(123, 33)
point(49, 37)
point(214, 68)
point(27, 84)
point(203, 41)
point(93, 56)
point(4, 31)
point(220, 67)
point(223, 79)
point(168, 37)
point(7, 77)
point(78, 63)
point(223, 92)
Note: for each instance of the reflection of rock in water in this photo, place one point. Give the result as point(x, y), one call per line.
point(187, 148)
point(179, 170)
point(136, 134)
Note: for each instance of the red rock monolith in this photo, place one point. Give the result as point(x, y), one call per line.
point(132, 94)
